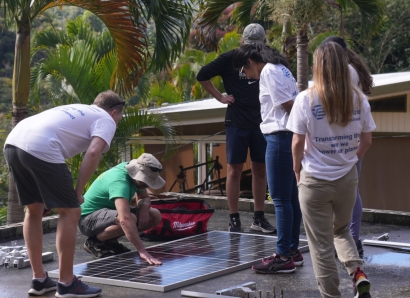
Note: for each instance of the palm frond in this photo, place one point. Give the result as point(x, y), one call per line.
point(135, 120)
point(35, 84)
point(48, 38)
point(262, 11)
point(79, 29)
point(372, 13)
point(11, 10)
point(53, 82)
point(242, 14)
point(172, 24)
point(206, 21)
point(104, 70)
point(36, 7)
point(59, 92)
point(128, 33)
point(75, 64)
point(104, 44)
point(144, 89)
point(165, 92)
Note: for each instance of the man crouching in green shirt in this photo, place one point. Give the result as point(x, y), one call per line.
point(106, 212)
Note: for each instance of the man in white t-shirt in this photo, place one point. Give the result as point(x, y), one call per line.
point(35, 151)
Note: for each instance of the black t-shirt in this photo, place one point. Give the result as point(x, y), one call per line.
point(245, 112)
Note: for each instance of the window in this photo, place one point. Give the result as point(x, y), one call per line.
point(390, 104)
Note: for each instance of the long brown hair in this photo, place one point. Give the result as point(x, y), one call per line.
point(331, 77)
point(365, 79)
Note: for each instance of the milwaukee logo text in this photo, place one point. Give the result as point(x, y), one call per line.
point(183, 226)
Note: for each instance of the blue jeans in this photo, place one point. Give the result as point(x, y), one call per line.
point(283, 190)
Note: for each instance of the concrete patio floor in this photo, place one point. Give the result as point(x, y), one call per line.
point(387, 269)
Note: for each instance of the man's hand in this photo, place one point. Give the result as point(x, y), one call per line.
point(228, 99)
point(210, 88)
point(80, 198)
point(150, 259)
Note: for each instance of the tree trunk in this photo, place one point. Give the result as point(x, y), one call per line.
point(21, 89)
point(15, 212)
point(302, 57)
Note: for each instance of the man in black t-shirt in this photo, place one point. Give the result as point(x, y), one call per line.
point(242, 122)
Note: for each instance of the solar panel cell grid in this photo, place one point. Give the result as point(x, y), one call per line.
point(185, 261)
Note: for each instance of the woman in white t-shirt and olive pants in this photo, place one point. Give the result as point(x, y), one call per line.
point(361, 78)
point(332, 126)
point(277, 90)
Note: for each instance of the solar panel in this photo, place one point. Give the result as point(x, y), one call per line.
point(184, 261)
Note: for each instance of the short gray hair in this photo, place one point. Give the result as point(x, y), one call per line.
point(109, 100)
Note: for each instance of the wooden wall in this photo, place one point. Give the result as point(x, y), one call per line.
point(385, 177)
point(396, 122)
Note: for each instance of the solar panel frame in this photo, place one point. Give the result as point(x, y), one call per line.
point(185, 261)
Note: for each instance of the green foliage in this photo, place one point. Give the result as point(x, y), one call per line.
point(3, 216)
point(78, 62)
point(94, 21)
point(7, 41)
point(142, 93)
point(5, 128)
point(387, 49)
point(229, 42)
point(165, 92)
point(300, 12)
point(371, 13)
point(172, 21)
point(5, 94)
point(179, 83)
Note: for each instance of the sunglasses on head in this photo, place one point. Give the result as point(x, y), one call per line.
point(117, 104)
point(154, 169)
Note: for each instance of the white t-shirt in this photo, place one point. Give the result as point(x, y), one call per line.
point(276, 86)
point(330, 149)
point(62, 132)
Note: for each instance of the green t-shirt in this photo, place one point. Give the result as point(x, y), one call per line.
point(112, 184)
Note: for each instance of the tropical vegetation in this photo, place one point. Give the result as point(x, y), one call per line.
point(126, 21)
point(300, 13)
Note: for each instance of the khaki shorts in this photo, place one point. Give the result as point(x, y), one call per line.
point(96, 222)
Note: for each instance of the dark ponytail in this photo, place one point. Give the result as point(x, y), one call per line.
point(259, 53)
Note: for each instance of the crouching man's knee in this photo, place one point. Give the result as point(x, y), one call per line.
point(156, 216)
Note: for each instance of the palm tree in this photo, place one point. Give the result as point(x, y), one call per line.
point(126, 21)
point(300, 12)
